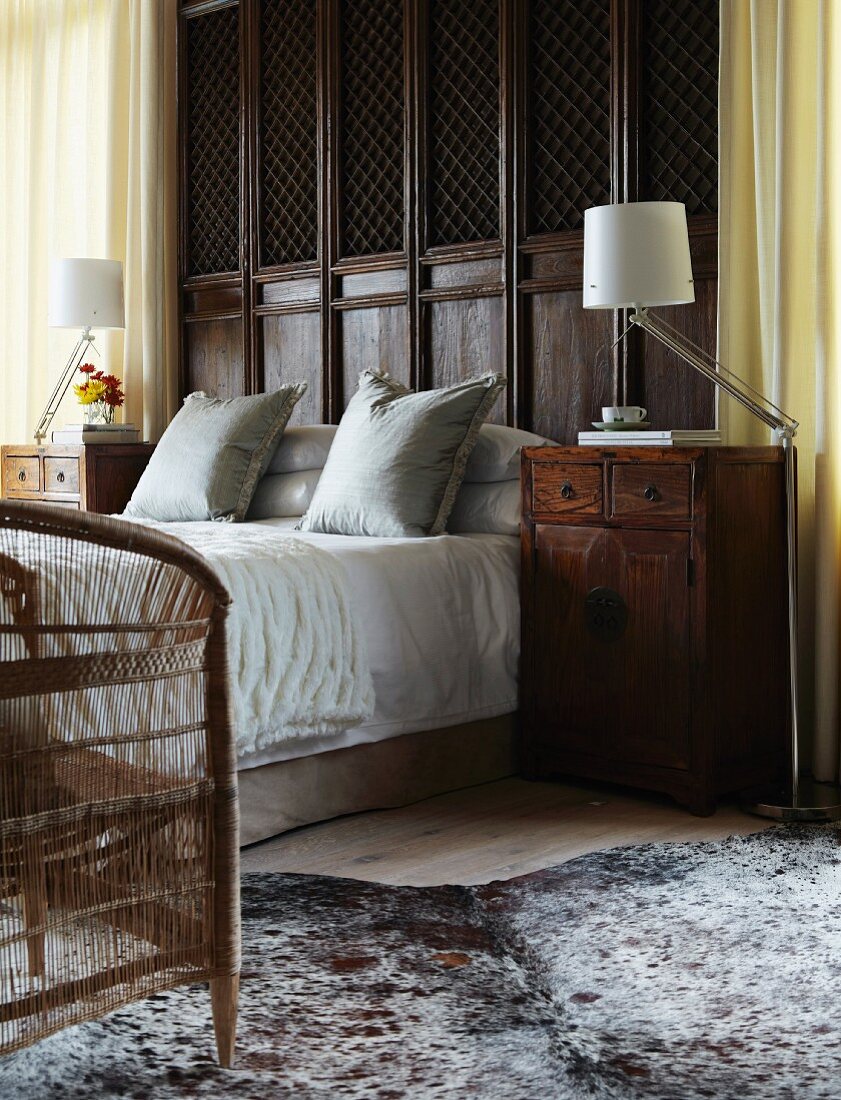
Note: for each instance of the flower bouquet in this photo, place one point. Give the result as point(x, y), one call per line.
point(100, 395)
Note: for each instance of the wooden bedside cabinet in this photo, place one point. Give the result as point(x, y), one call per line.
point(93, 477)
point(654, 617)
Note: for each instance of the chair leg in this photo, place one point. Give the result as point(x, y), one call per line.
point(224, 995)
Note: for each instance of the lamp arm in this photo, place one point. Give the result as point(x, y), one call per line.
point(77, 355)
point(720, 376)
point(787, 426)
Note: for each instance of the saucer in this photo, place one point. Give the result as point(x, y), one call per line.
point(620, 425)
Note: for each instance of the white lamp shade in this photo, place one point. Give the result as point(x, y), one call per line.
point(86, 294)
point(637, 254)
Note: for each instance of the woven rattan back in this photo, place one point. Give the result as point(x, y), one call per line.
point(118, 807)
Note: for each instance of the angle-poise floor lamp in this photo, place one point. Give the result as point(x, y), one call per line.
point(636, 255)
point(84, 294)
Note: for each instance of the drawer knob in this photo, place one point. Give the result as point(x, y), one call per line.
point(650, 492)
point(60, 477)
point(566, 490)
point(21, 475)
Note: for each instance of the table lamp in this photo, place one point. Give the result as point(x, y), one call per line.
point(84, 294)
point(636, 255)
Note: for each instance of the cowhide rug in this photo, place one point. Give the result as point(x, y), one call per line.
point(669, 970)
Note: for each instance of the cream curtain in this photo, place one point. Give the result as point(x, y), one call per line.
point(87, 168)
point(780, 289)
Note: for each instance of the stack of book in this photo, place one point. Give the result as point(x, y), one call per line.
point(672, 437)
point(96, 433)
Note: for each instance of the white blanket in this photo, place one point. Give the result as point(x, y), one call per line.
point(299, 666)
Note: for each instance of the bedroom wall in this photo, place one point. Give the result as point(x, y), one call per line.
point(402, 184)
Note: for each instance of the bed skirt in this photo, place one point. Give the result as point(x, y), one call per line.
point(277, 797)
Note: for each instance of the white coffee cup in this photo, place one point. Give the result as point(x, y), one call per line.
point(628, 414)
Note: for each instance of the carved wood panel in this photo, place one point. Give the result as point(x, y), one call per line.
point(463, 139)
point(680, 107)
point(372, 126)
point(569, 86)
point(212, 142)
point(288, 109)
point(401, 184)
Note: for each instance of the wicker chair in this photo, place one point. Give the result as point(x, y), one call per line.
point(119, 859)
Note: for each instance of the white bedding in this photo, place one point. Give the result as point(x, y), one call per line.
point(440, 621)
point(299, 667)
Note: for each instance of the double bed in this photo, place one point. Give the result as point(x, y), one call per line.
point(365, 671)
point(438, 622)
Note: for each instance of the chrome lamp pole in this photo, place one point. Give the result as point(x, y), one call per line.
point(637, 255)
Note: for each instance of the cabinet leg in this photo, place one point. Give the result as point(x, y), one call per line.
point(701, 805)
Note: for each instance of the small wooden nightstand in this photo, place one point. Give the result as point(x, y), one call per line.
point(93, 477)
point(654, 629)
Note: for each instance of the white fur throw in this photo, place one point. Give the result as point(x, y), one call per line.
point(298, 661)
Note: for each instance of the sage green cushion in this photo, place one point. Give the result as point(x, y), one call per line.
point(398, 458)
point(212, 455)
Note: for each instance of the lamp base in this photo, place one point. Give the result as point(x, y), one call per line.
point(815, 802)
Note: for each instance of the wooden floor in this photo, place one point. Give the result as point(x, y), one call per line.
point(494, 831)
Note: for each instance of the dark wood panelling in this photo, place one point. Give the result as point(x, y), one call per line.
point(288, 292)
point(288, 148)
point(463, 115)
point(212, 141)
point(401, 183)
point(465, 338)
point(680, 83)
point(466, 273)
point(373, 339)
point(372, 126)
point(676, 396)
point(569, 86)
point(292, 354)
point(214, 357)
point(571, 375)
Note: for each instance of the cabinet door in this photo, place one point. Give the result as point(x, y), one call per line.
point(622, 695)
point(650, 569)
point(571, 691)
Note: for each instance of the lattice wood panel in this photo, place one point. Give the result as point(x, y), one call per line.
point(372, 126)
point(463, 121)
point(680, 108)
point(213, 229)
point(288, 132)
point(569, 84)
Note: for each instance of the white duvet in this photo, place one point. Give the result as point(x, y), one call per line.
point(440, 618)
point(298, 660)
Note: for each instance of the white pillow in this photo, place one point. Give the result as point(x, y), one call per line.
point(496, 456)
point(283, 494)
point(303, 448)
point(486, 507)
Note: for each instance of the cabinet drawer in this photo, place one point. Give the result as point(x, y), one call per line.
point(61, 475)
point(567, 488)
point(21, 474)
point(651, 491)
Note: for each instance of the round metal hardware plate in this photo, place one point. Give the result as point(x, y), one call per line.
point(605, 614)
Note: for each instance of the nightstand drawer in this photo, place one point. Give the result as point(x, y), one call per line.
point(61, 475)
point(567, 488)
point(651, 491)
point(21, 474)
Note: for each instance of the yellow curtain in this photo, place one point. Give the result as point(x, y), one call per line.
point(87, 168)
point(780, 289)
